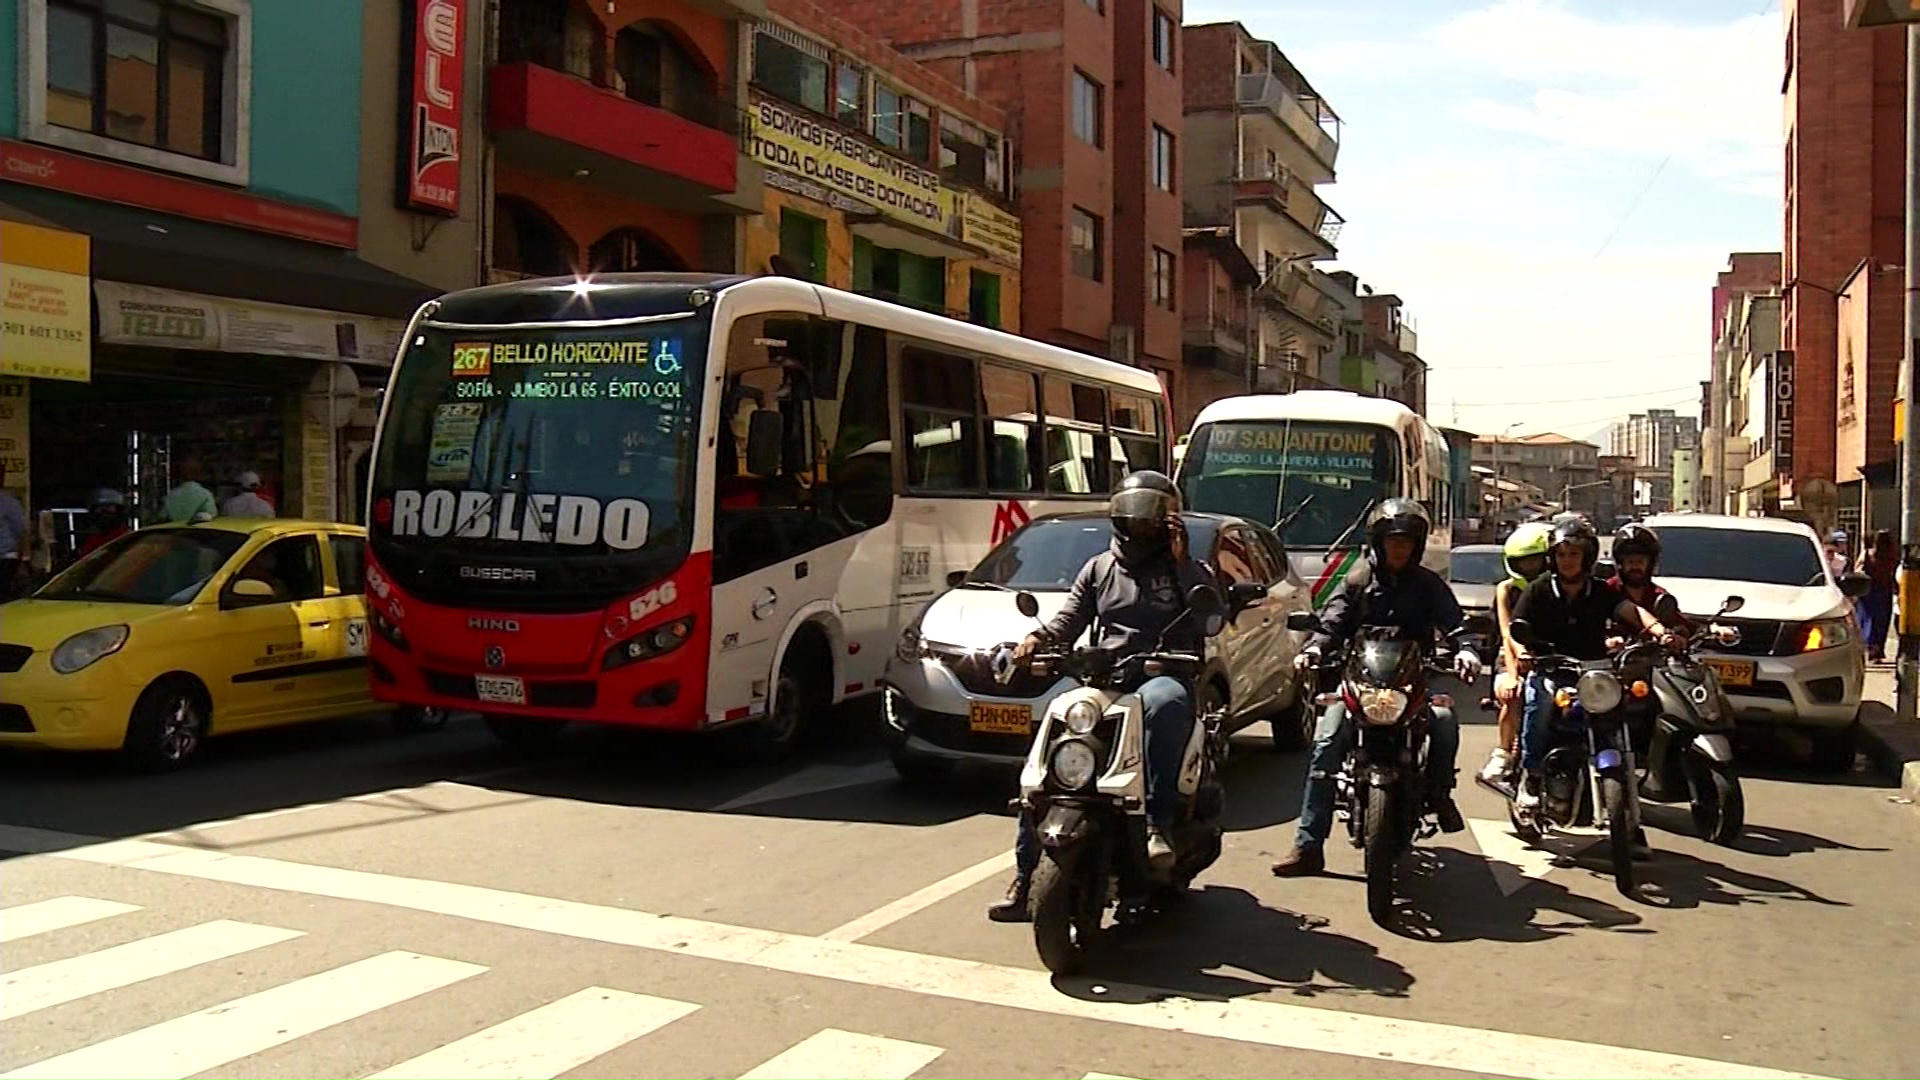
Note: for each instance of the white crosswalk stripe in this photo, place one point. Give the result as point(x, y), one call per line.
point(46, 985)
point(552, 1039)
point(212, 1037)
point(846, 1055)
point(59, 913)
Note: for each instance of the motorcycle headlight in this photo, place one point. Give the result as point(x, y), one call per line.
point(1073, 764)
point(1381, 705)
point(1600, 691)
point(83, 649)
point(1081, 717)
point(1828, 634)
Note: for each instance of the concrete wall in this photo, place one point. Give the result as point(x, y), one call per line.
point(442, 252)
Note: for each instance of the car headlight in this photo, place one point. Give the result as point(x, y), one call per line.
point(1073, 764)
point(909, 647)
point(81, 650)
point(1828, 634)
point(1382, 705)
point(1600, 691)
point(1081, 717)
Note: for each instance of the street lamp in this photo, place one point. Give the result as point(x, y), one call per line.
point(1859, 14)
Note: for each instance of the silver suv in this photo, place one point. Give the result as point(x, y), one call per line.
point(1800, 661)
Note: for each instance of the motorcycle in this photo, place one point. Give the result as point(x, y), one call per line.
point(1084, 784)
point(1586, 774)
point(1687, 733)
point(1380, 789)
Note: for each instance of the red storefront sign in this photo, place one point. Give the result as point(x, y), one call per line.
point(430, 103)
point(25, 163)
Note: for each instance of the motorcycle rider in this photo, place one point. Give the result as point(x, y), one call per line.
point(1135, 590)
point(1636, 555)
point(1571, 613)
point(1525, 554)
point(1392, 590)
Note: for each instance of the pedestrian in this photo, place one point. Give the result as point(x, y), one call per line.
point(248, 502)
point(15, 542)
point(1837, 559)
point(1881, 564)
point(190, 501)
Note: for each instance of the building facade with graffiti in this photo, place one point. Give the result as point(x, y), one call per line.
point(879, 176)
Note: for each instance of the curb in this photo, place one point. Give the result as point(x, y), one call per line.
point(1892, 746)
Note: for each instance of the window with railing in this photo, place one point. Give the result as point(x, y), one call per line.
point(970, 155)
point(789, 66)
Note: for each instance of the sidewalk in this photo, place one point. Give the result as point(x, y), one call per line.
point(1889, 744)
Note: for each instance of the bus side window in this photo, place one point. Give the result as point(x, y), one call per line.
point(860, 466)
point(940, 395)
point(1078, 459)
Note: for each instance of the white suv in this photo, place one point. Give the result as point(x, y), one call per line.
point(1800, 661)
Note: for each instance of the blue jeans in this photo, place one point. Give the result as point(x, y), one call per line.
point(1875, 611)
point(1331, 739)
point(1167, 706)
point(1536, 738)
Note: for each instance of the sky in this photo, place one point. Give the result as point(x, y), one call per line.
point(1549, 186)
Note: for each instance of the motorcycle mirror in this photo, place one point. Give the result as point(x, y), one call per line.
point(1479, 625)
point(1027, 605)
point(1732, 604)
point(1522, 631)
point(1854, 586)
point(1204, 601)
point(1303, 622)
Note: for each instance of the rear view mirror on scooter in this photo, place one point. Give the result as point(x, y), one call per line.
point(1522, 631)
point(1303, 622)
point(1027, 605)
point(1731, 605)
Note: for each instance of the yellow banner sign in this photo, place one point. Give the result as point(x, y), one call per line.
point(46, 315)
point(845, 164)
point(993, 230)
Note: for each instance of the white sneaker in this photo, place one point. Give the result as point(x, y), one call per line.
point(1499, 764)
point(1528, 797)
point(1159, 851)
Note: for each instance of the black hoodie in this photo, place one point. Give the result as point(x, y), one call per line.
point(1135, 599)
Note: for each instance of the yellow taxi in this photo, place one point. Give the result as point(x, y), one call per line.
point(176, 633)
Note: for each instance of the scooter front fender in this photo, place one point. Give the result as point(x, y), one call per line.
point(1716, 748)
point(1065, 826)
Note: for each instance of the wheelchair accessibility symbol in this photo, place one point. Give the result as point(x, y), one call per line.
point(665, 362)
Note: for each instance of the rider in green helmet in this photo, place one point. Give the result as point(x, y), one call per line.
point(1526, 556)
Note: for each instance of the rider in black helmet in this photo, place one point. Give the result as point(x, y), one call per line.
point(1136, 588)
point(1392, 590)
point(1636, 556)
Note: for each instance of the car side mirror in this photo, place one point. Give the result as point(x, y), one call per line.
point(1522, 631)
point(1027, 605)
point(956, 578)
point(764, 431)
point(1731, 605)
point(242, 592)
point(1855, 585)
point(1303, 622)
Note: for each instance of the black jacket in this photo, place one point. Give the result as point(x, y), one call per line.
point(1134, 604)
point(1417, 600)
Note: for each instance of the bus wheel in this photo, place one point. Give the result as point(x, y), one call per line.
point(798, 699)
point(524, 734)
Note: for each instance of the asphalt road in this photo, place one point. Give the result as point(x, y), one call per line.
point(341, 901)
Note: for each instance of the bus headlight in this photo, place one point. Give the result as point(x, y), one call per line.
point(1600, 691)
point(1081, 717)
point(1073, 764)
point(648, 644)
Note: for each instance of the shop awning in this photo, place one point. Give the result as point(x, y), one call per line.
point(892, 233)
point(144, 247)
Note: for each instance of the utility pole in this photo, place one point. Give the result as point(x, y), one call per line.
point(1909, 647)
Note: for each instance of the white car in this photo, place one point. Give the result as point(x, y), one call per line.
point(1800, 661)
point(944, 707)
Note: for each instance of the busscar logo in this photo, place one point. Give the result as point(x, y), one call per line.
point(472, 360)
point(498, 573)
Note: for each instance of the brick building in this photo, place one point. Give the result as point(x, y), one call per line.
point(883, 176)
point(1843, 227)
point(1259, 141)
point(1092, 89)
point(1726, 445)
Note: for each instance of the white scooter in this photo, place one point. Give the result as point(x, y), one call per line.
point(1085, 785)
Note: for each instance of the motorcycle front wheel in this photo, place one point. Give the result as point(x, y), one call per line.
point(1068, 906)
point(1613, 798)
point(1719, 806)
point(1381, 836)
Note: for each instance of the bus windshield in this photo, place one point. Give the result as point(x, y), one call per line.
point(1266, 469)
point(559, 457)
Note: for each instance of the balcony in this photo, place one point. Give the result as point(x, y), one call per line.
point(1308, 119)
point(1294, 291)
point(1295, 201)
point(1216, 337)
point(684, 155)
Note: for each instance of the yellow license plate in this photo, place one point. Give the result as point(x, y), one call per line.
point(984, 719)
point(1731, 672)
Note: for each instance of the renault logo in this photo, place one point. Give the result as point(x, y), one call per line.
point(496, 657)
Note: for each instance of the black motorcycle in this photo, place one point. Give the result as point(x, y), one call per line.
point(1380, 789)
point(1586, 776)
point(1685, 730)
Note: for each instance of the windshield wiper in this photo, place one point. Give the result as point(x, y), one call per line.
point(1358, 520)
point(1286, 520)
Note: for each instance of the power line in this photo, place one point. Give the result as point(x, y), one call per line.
point(1635, 205)
point(1439, 370)
point(1675, 393)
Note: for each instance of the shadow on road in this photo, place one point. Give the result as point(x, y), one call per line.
point(1222, 942)
point(1448, 895)
point(1678, 881)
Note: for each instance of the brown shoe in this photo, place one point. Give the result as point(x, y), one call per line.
point(1301, 862)
point(1014, 908)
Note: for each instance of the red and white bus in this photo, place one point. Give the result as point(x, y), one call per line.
point(700, 502)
